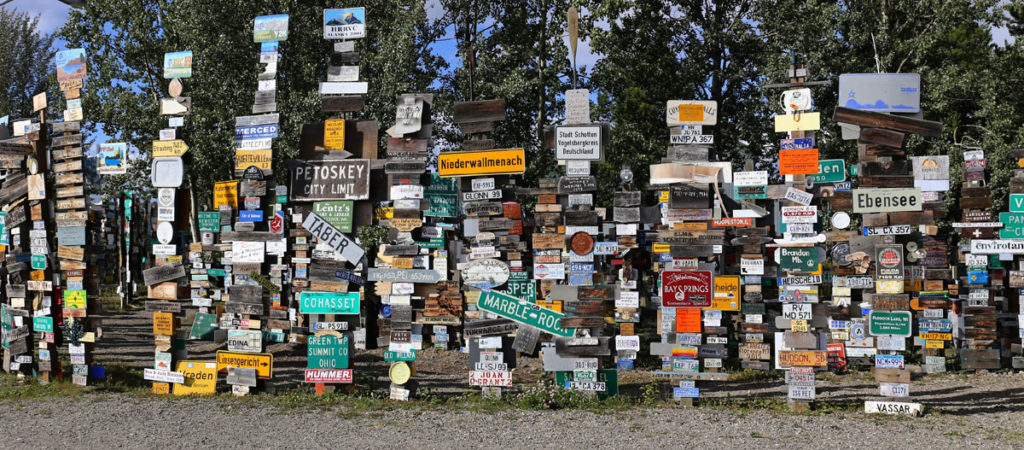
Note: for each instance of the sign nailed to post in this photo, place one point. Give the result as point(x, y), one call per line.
point(578, 143)
point(348, 23)
point(330, 180)
point(333, 237)
point(524, 312)
point(686, 289)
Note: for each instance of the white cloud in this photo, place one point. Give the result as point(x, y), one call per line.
point(52, 13)
point(1001, 36)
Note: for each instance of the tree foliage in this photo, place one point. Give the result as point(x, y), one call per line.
point(25, 57)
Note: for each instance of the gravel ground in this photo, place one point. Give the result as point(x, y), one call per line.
point(109, 421)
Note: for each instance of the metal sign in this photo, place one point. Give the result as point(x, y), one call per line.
point(333, 237)
point(348, 23)
point(329, 302)
point(488, 162)
point(327, 352)
point(895, 323)
point(524, 312)
point(881, 92)
point(263, 363)
point(578, 143)
point(887, 200)
point(686, 288)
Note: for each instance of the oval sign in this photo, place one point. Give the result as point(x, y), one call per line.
point(485, 273)
point(165, 232)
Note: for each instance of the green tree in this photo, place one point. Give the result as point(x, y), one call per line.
point(26, 56)
point(125, 42)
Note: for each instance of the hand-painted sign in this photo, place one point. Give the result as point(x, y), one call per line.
point(225, 193)
point(524, 312)
point(71, 65)
point(691, 112)
point(881, 92)
point(330, 180)
point(112, 158)
point(348, 23)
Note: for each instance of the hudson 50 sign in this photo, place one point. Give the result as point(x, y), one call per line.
point(686, 289)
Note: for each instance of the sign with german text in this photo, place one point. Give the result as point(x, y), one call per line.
point(488, 162)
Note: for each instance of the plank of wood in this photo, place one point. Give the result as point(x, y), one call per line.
point(476, 127)
point(889, 182)
point(479, 111)
point(886, 169)
point(889, 121)
point(881, 136)
point(407, 145)
point(478, 144)
point(351, 103)
point(881, 150)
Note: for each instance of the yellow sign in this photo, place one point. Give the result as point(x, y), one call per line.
point(385, 213)
point(334, 134)
point(163, 323)
point(262, 159)
point(934, 344)
point(691, 113)
point(225, 193)
point(690, 226)
point(889, 286)
point(936, 336)
point(808, 121)
point(405, 224)
point(161, 388)
point(200, 378)
point(727, 293)
point(74, 299)
point(487, 162)
point(661, 248)
point(663, 196)
point(800, 325)
point(174, 148)
point(262, 362)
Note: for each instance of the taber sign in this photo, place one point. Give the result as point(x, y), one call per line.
point(333, 237)
point(524, 312)
point(886, 200)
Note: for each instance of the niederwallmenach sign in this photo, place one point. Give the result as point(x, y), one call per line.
point(990, 247)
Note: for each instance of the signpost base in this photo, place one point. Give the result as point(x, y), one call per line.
point(319, 388)
point(798, 406)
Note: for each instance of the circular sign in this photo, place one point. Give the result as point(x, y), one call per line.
point(485, 273)
point(165, 232)
point(252, 173)
point(581, 243)
point(839, 253)
point(385, 310)
point(33, 166)
point(175, 87)
point(399, 373)
point(841, 220)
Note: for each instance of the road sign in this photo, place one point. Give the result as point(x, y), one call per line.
point(262, 362)
point(200, 378)
point(524, 312)
point(329, 303)
point(896, 323)
point(327, 352)
point(830, 171)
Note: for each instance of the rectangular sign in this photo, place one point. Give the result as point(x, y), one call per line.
point(691, 289)
point(523, 312)
point(330, 180)
point(488, 162)
point(329, 302)
point(798, 162)
point(887, 200)
point(262, 362)
point(333, 237)
point(348, 23)
point(881, 92)
point(578, 143)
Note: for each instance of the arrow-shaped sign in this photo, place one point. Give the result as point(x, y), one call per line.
point(174, 148)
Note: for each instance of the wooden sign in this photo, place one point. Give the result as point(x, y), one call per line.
point(330, 180)
point(575, 185)
point(889, 121)
point(73, 253)
point(166, 272)
point(479, 111)
point(491, 162)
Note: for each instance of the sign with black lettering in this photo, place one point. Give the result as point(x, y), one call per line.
point(887, 200)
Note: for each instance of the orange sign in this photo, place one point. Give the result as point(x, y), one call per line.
point(163, 323)
point(803, 359)
point(225, 193)
point(688, 320)
point(691, 113)
point(798, 162)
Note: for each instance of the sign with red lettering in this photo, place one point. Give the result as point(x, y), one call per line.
point(798, 162)
point(686, 289)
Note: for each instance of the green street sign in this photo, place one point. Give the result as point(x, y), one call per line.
point(39, 262)
point(43, 324)
point(889, 323)
point(434, 242)
point(327, 352)
point(830, 171)
point(524, 312)
point(1017, 203)
point(442, 205)
point(209, 222)
point(337, 213)
point(521, 286)
point(203, 326)
point(442, 186)
point(390, 356)
point(610, 378)
point(1013, 225)
point(216, 272)
point(329, 303)
point(799, 259)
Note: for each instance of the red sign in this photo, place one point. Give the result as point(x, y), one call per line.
point(837, 355)
point(328, 375)
point(738, 222)
point(686, 289)
point(798, 162)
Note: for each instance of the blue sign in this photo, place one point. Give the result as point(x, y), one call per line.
point(250, 216)
point(624, 364)
point(577, 267)
point(678, 392)
point(977, 277)
point(935, 325)
point(795, 144)
point(256, 132)
point(882, 92)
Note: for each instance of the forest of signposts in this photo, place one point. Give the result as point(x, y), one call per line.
point(795, 263)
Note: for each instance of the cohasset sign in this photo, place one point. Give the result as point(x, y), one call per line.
point(886, 200)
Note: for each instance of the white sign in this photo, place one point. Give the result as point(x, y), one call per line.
point(874, 200)
point(798, 196)
point(628, 299)
point(247, 252)
point(906, 409)
point(627, 343)
point(482, 184)
point(755, 178)
point(576, 168)
point(407, 191)
point(799, 214)
point(578, 143)
point(751, 266)
point(333, 237)
point(894, 389)
point(490, 378)
point(991, 247)
point(577, 106)
point(163, 376)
